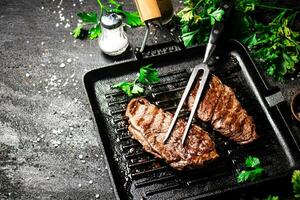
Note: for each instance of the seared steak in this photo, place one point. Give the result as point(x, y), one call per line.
point(148, 124)
point(221, 108)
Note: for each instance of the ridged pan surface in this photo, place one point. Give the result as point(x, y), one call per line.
point(137, 174)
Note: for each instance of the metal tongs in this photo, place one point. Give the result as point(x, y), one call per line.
point(214, 37)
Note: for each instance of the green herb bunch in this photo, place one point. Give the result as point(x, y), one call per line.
point(91, 20)
point(253, 172)
point(197, 18)
point(147, 75)
point(274, 44)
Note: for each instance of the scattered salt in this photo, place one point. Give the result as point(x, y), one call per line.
point(62, 65)
point(69, 60)
point(27, 74)
point(90, 182)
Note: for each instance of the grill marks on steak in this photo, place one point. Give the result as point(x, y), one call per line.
point(221, 107)
point(148, 124)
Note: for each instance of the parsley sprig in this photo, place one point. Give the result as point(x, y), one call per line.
point(253, 172)
point(92, 21)
point(147, 75)
point(296, 183)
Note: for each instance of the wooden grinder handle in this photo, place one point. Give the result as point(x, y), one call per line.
point(148, 9)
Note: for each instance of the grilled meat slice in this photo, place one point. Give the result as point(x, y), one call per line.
point(223, 110)
point(207, 106)
point(149, 124)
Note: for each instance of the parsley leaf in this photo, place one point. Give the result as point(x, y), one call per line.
point(252, 162)
point(94, 32)
point(148, 75)
point(296, 183)
point(77, 31)
point(126, 87)
point(137, 89)
point(270, 197)
point(217, 15)
point(115, 3)
point(129, 88)
point(131, 18)
point(250, 175)
point(90, 17)
point(189, 38)
point(254, 173)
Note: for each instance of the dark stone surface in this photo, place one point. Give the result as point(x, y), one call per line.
point(48, 147)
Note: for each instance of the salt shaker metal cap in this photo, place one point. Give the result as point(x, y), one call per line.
point(111, 21)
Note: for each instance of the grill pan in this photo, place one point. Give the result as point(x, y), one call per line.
point(135, 174)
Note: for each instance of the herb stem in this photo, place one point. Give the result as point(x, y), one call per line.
point(101, 8)
point(273, 7)
point(197, 5)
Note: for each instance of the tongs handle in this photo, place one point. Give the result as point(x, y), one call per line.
point(217, 29)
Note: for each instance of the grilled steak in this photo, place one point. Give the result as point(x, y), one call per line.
point(221, 108)
point(148, 124)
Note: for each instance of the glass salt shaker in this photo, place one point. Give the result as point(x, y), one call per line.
point(113, 40)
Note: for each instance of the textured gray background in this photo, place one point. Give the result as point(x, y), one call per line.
point(48, 147)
